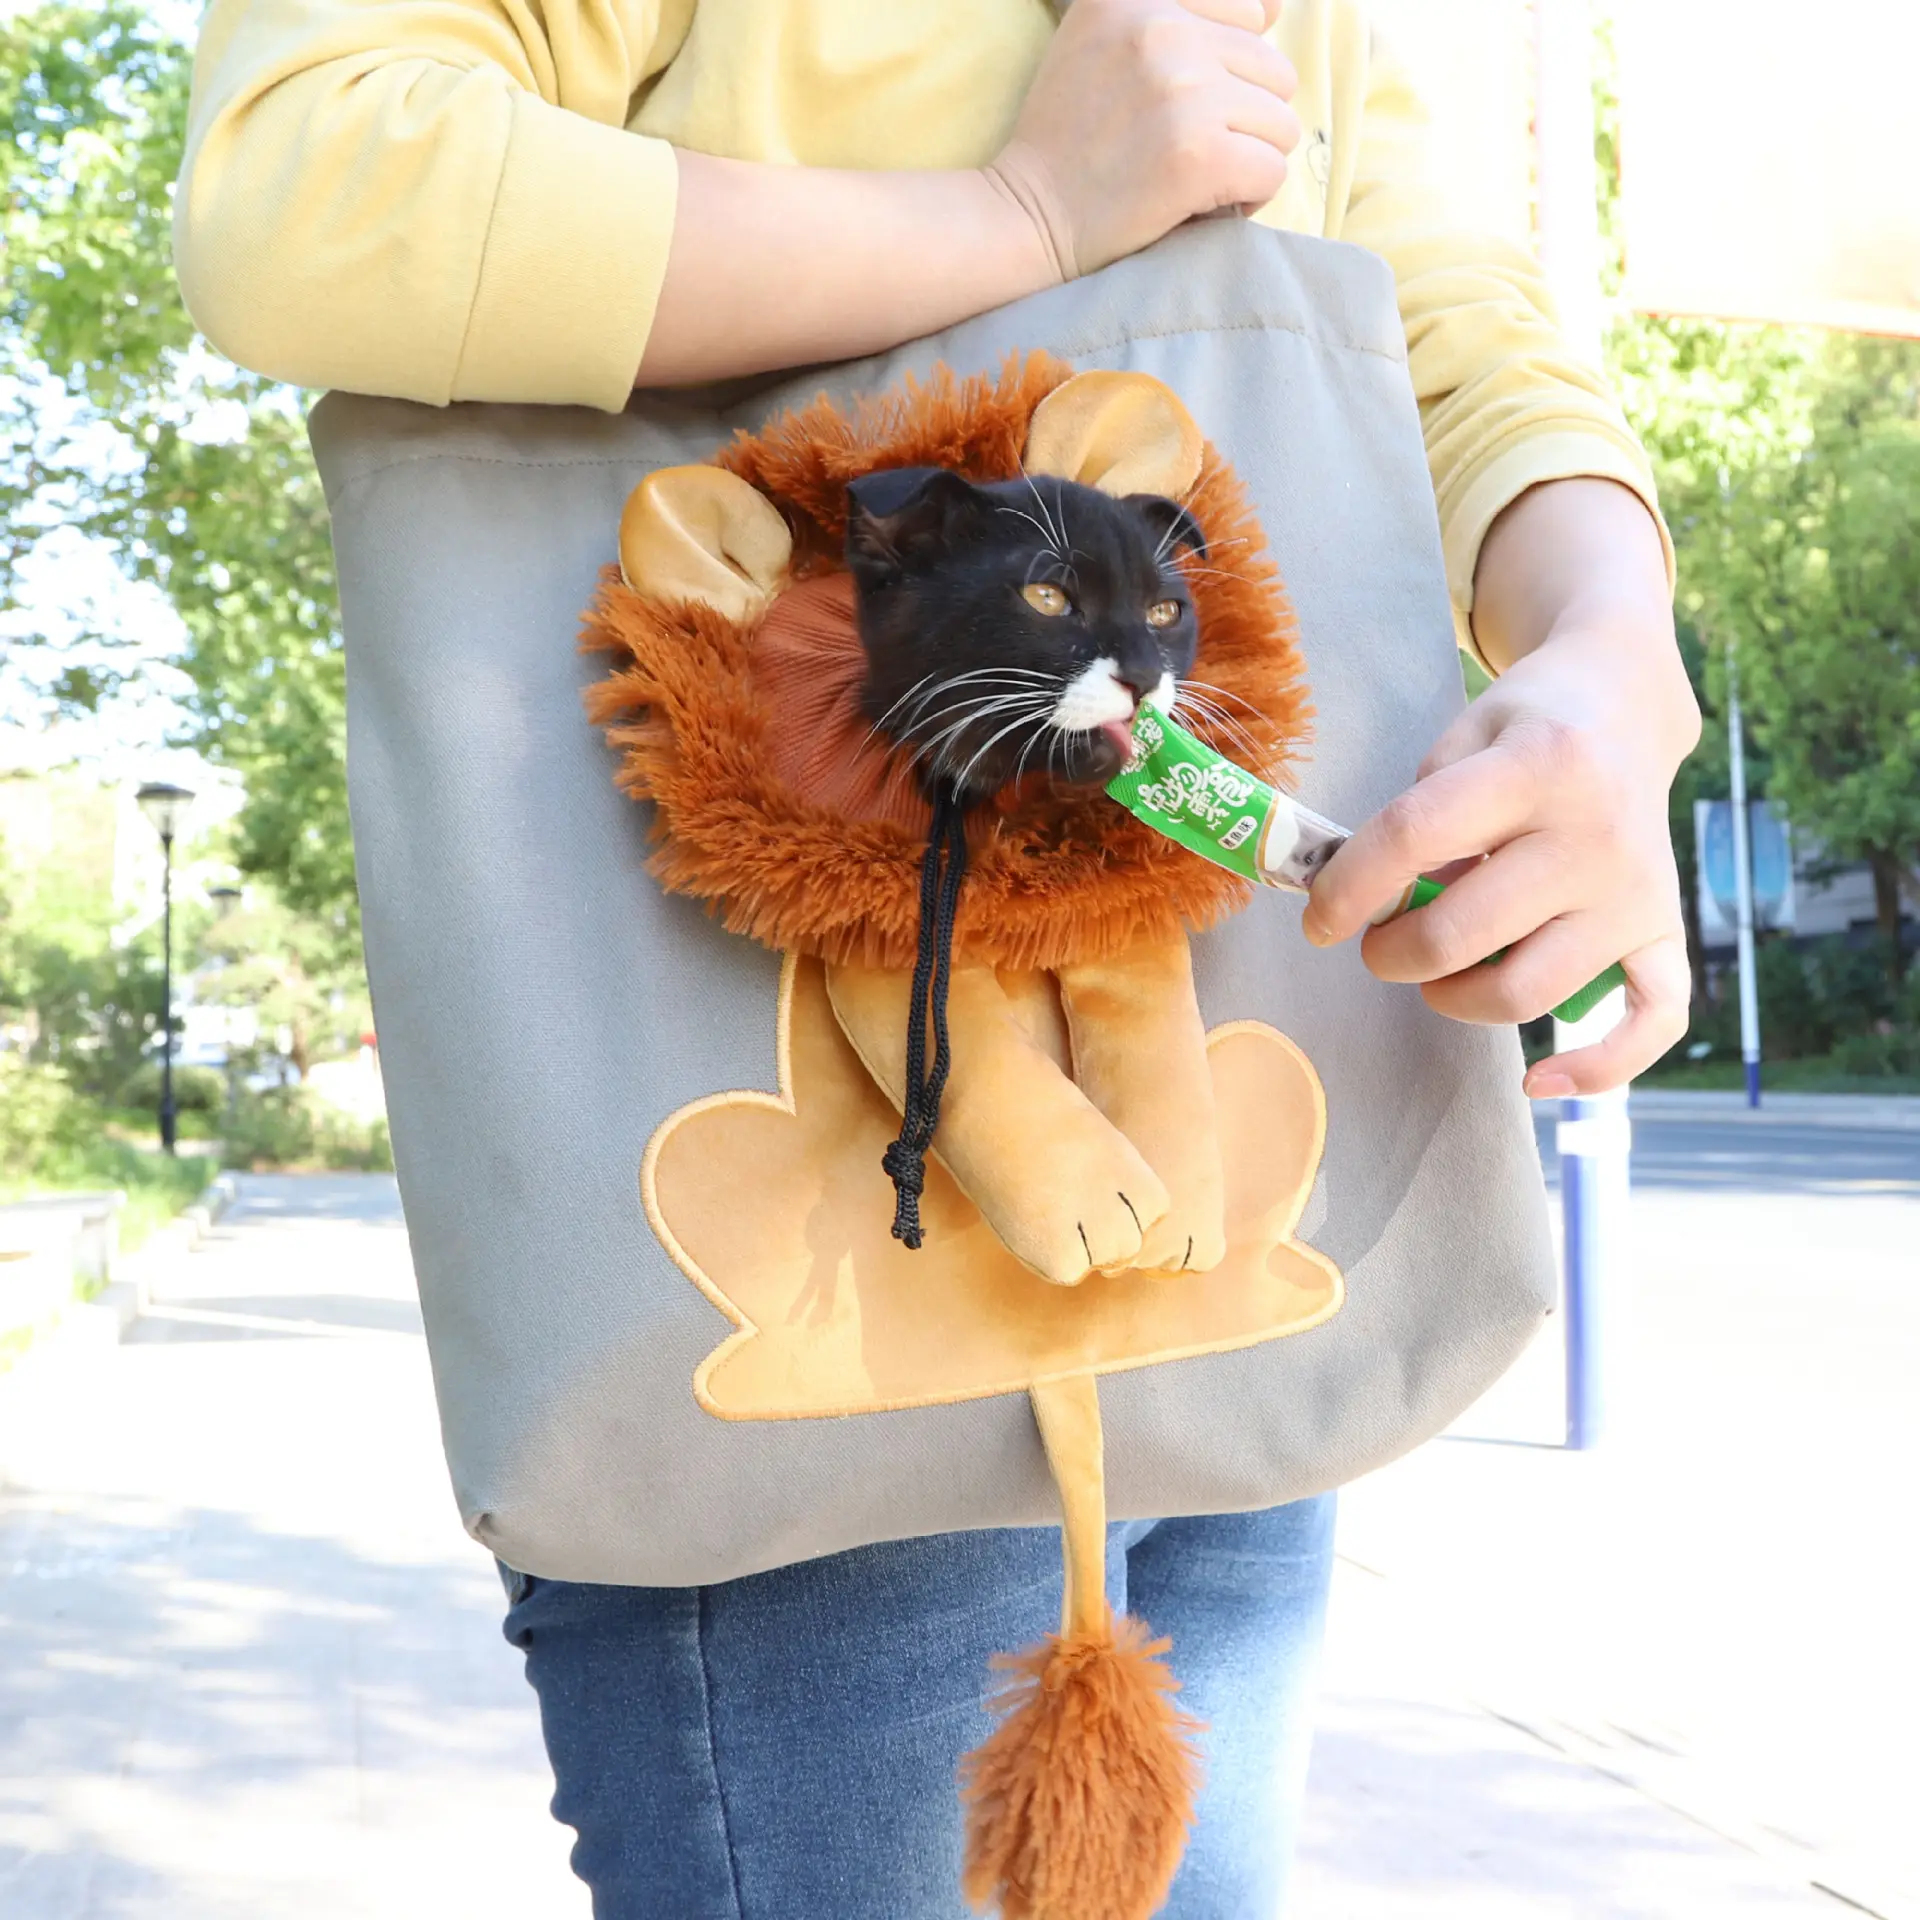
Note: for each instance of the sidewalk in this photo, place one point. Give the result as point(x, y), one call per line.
point(254, 1669)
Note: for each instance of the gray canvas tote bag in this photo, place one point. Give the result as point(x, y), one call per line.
point(544, 1005)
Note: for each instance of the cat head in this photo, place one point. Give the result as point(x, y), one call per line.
point(1015, 628)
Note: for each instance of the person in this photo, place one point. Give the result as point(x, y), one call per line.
point(484, 200)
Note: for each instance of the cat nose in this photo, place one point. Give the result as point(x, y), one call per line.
point(1139, 681)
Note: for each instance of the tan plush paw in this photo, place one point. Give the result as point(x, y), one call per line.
point(1140, 1055)
point(1191, 1237)
point(1065, 1190)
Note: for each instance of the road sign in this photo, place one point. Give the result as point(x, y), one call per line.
point(1771, 847)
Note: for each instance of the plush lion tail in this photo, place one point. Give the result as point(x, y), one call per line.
point(1080, 1801)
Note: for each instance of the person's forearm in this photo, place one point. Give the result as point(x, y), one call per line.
point(782, 266)
point(1580, 563)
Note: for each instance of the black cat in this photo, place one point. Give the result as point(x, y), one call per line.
point(1015, 628)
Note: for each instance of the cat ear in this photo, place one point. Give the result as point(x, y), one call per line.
point(900, 513)
point(703, 534)
point(1174, 527)
point(1121, 432)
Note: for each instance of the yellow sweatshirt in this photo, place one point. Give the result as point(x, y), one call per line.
point(472, 199)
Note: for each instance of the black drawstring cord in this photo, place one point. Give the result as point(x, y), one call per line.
point(906, 1160)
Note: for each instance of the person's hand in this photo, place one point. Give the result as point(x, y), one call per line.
point(1144, 114)
point(1544, 807)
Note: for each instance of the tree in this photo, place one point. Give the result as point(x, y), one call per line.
point(290, 973)
point(1819, 584)
point(1788, 471)
point(119, 423)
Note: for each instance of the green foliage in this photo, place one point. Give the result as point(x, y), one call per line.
point(39, 1116)
point(195, 1090)
point(296, 973)
point(51, 1140)
point(1819, 582)
point(117, 423)
point(1789, 468)
point(72, 995)
point(1880, 1056)
point(288, 1127)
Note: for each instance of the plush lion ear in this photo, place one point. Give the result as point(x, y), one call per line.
point(1121, 432)
point(703, 534)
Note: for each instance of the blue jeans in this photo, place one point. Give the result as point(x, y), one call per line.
point(783, 1747)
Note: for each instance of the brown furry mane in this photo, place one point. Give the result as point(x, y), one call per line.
point(1053, 880)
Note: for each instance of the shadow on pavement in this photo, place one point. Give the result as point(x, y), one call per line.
point(198, 1717)
point(1418, 1808)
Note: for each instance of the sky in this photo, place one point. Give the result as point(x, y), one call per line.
point(70, 586)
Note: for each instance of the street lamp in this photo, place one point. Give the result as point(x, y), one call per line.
point(165, 808)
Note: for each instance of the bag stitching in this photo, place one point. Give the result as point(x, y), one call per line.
point(1078, 349)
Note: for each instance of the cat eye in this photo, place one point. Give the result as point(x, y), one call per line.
point(1163, 613)
point(1044, 598)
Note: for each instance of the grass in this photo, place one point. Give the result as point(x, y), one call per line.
point(157, 1186)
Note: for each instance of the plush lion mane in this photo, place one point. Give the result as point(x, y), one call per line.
point(1053, 879)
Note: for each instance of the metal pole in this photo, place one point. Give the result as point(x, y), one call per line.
point(167, 1115)
point(1594, 1135)
point(1743, 886)
point(1595, 1139)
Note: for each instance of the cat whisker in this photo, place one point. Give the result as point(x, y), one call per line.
point(1039, 733)
point(1046, 533)
point(1222, 693)
point(952, 721)
point(1056, 536)
point(966, 773)
point(1032, 707)
point(1216, 718)
point(897, 705)
point(998, 678)
point(1201, 702)
point(1204, 723)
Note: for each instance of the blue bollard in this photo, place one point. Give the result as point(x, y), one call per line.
point(1583, 1210)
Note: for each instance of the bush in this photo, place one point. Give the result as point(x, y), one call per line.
point(41, 1117)
point(288, 1127)
point(1796, 1020)
point(1812, 999)
point(195, 1089)
point(1880, 1056)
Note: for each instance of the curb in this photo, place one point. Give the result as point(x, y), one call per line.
point(125, 1297)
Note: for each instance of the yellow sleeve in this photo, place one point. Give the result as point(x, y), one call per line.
point(1505, 402)
point(432, 199)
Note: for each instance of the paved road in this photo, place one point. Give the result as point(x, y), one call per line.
point(253, 1669)
point(1731, 1156)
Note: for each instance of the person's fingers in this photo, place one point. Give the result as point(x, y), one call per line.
point(1496, 903)
point(1251, 16)
point(1463, 810)
point(1472, 730)
point(1659, 985)
point(1258, 115)
point(1258, 62)
point(1537, 973)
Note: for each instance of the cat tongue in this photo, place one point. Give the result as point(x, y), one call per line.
point(1120, 732)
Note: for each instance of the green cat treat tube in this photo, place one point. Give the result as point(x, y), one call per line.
point(1182, 788)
